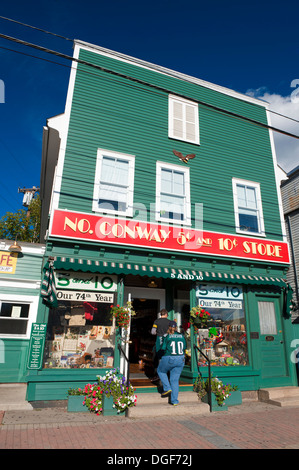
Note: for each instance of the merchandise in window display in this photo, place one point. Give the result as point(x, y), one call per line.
point(223, 347)
point(76, 340)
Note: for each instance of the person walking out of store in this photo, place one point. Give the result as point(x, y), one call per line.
point(172, 361)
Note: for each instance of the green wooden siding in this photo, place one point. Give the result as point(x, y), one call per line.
point(114, 113)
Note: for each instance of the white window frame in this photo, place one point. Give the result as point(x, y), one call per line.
point(130, 194)
point(32, 301)
point(260, 220)
point(185, 171)
point(171, 133)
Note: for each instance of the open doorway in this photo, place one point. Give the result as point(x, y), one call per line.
point(142, 341)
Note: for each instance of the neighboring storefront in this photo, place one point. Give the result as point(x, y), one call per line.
point(20, 280)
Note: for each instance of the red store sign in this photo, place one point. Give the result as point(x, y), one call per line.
point(78, 226)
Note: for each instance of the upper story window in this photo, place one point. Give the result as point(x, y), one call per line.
point(173, 194)
point(114, 183)
point(248, 207)
point(183, 122)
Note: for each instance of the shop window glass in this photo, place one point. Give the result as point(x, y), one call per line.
point(80, 335)
point(224, 338)
point(267, 318)
point(14, 318)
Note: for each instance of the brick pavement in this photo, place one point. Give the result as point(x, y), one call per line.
point(251, 426)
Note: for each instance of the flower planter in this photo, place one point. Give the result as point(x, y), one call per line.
point(214, 406)
point(107, 405)
point(235, 398)
point(75, 404)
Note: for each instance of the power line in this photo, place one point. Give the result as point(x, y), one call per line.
point(69, 39)
point(34, 27)
point(136, 80)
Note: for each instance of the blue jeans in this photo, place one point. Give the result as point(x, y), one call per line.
point(174, 365)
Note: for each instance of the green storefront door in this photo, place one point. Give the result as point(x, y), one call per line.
point(271, 347)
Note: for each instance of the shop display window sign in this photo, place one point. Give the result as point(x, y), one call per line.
point(85, 281)
point(224, 339)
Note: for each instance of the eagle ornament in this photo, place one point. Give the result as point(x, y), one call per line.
point(182, 158)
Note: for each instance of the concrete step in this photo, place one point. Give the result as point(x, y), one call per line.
point(285, 401)
point(152, 405)
point(280, 396)
point(13, 397)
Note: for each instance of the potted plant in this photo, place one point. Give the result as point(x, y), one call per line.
point(199, 317)
point(110, 396)
point(222, 395)
point(117, 394)
point(122, 314)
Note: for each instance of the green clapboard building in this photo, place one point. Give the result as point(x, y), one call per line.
point(20, 283)
point(160, 188)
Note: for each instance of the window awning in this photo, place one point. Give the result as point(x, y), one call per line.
point(172, 272)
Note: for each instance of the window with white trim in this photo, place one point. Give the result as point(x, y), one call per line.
point(173, 193)
point(17, 315)
point(248, 207)
point(114, 183)
point(183, 121)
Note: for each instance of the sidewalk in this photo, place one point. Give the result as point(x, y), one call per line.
point(252, 425)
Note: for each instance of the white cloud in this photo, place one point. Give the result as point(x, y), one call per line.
point(287, 148)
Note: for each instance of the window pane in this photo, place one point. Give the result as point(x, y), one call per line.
point(172, 207)
point(178, 183)
point(114, 171)
point(166, 180)
point(14, 310)
point(251, 198)
point(267, 318)
point(241, 195)
point(248, 221)
point(13, 327)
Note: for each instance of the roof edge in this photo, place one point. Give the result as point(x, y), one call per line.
point(173, 73)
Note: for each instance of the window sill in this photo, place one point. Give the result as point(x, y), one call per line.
point(251, 234)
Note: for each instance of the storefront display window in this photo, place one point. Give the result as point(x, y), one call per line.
point(224, 339)
point(80, 335)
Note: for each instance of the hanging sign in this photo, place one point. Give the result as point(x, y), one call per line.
point(75, 225)
point(36, 346)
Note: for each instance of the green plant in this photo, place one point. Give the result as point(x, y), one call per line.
point(112, 384)
point(220, 390)
point(122, 314)
point(75, 391)
point(199, 316)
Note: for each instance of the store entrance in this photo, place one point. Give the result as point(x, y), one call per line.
point(142, 341)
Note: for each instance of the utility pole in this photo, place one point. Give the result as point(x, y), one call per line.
point(29, 194)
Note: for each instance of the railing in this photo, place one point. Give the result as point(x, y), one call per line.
point(121, 351)
point(209, 371)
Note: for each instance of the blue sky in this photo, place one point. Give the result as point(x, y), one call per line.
point(249, 47)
